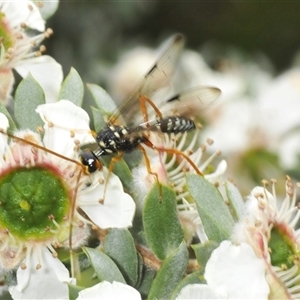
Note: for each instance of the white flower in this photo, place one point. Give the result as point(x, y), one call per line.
point(236, 118)
point(269, 226)
point(41, 283)
point(47, 8)
point(232, 272)
point(279, 114)
point(106, 290)
point(118, 207)
point(275, 109)
point(18, 49)
point(43, 211)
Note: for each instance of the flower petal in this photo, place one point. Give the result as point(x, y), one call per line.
point(48, 8)
point(197, 291)
point(40, 67)
point(18, 12)
point(235, 272)
point(106, 290)
point(218, 173)
point(62, 118)
point(48, 281)
point(118, 208)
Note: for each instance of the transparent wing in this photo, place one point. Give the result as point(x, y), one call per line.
point(189, 103)
point(186, 104)
point(157, 77)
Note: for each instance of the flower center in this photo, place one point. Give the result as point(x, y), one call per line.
point(6, 37)
point(281, 248)
point(33, 201)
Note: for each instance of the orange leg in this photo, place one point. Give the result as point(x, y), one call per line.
point(148, 166)
point(112, 163)
point(174, 151)
point(143, 100)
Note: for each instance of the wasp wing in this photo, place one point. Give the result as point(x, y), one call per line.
point(189, 103)
point(157, 77)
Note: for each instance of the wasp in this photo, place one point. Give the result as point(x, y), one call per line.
point(128, 127)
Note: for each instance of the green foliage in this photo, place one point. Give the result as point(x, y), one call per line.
point(105, 105)
point(98, 117)
point(170, 274)
point(162, 227)
point(103, 265)
point(29, 95)
point(196, 277)
point(215, 216)
point(203, 252)
point(102, 100)
point(73, 291)
point(126, 259)
point(72, 88)
point(147, 277)
point(235, 199)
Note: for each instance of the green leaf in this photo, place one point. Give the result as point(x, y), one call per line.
point(119, 246)
point(203, 252)
point(235, 199)
point(162, 227)
point(170, 274)
point(29, 95)
point(140, 269)
point(74, 290)
point(122, 171)
point(101, 98)
point(72, 88)
point(196, 277)
point(98, 117)
point(148, 276)
point(12, 125)
point(103, 265)
point(133, 158)
point(215, 216)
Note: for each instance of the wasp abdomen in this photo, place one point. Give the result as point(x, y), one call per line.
point(175, 124)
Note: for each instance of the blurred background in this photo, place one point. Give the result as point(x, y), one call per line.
point(249, 49)
point(95, 32)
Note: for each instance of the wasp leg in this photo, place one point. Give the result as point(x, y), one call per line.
point(112, 163)
point(148, 166)
point(176, 152)
point(143, 100)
